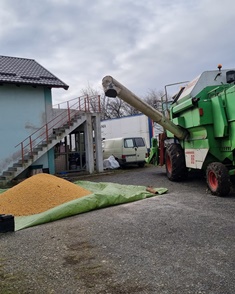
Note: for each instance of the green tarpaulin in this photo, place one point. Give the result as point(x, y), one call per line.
point(103, 195)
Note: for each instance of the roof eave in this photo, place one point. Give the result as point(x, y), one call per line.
point(34, 84)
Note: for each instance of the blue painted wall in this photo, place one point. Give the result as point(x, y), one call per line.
point(23, 110)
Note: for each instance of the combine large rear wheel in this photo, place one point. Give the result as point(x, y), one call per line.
point(176, 169)
point(218, 179)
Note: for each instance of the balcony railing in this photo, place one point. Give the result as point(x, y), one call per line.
point(63, 113)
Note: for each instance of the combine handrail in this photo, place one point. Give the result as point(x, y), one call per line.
point(88, 104)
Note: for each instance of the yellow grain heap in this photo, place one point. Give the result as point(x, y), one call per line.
point(39, 193)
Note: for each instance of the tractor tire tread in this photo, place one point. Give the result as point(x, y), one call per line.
point(179, 170)
point(222, 176)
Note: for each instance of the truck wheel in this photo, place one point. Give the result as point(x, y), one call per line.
point(218, 179)
point(176, 169)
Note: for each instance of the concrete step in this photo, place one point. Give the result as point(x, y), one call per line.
point(17, 164)
point(12, 169)
point(7, 173)
point(41, 148)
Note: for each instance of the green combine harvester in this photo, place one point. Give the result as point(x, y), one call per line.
point(200, 130)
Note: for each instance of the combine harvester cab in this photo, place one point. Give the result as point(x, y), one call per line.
point(201, 128)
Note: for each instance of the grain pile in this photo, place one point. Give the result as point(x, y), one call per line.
point(37, 194)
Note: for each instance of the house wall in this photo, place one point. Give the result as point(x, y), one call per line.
point(23, 110)
point(48, 104)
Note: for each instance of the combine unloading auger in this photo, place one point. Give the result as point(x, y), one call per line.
point(201, 126)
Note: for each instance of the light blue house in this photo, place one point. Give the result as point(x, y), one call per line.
point(30, 127)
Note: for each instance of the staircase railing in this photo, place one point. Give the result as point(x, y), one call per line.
point(63, 113)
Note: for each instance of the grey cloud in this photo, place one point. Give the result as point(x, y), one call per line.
point(144, 44)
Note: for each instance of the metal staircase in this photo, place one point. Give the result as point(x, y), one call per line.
point(65, 120)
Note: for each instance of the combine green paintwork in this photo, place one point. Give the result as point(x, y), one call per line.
point(201, 128)
point(210, 122)
point(154, 152)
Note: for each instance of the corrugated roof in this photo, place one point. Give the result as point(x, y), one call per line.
point(22, 71)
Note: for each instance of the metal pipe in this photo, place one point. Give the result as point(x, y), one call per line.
point(113, 88)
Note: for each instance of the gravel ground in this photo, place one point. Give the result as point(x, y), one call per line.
point(179, 242)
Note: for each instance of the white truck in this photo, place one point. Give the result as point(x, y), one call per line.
point(126, 151)
point(130, 126)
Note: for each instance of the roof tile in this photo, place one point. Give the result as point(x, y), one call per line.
point(22, 71)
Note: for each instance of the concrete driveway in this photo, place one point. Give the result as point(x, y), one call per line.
point(179, 242)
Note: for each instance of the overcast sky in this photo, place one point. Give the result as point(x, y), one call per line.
point(142, 44)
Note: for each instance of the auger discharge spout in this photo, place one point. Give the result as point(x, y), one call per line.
point(113, 88)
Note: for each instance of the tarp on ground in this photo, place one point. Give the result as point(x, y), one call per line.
point(103, 195)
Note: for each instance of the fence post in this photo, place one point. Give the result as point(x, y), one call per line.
point(47, 136)
point(30, 144)
point(22, 152)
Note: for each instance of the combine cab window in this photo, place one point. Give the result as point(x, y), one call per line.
point(230, 76)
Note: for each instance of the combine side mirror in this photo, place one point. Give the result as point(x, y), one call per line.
point(230, 76)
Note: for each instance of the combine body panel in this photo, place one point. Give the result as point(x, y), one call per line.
point(202, 124)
